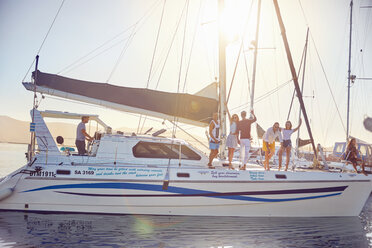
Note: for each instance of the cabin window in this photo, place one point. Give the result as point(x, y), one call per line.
point(163, 150)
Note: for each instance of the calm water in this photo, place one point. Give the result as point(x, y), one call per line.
point(83, 230)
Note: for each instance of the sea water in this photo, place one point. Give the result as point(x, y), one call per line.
point(19, 229)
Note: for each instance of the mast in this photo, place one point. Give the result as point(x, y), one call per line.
point(32, 124)
point(302, 90)
point(293, 72)
point(222, 79)
point(255, 53)
point(349, 74)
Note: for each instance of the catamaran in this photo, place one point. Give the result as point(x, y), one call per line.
point(150, 174)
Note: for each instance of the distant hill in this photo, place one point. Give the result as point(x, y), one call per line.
point(16, 131)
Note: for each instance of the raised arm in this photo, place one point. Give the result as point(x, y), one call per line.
point(228, 112)
point(254, 116)
point(294, 130)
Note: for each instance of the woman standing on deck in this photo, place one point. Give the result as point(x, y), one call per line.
point(214, 141)
point(287, 143)
point(352, 155)
point(268, 145)
point(232, 139)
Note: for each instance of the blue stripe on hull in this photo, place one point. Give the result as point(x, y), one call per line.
point(187, 192)
point(229, 197)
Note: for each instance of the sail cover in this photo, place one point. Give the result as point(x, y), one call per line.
point(191, 109)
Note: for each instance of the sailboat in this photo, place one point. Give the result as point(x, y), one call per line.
point(340, 148)
point(150, 174)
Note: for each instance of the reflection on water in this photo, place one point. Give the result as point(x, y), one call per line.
point(82, 230)
point(78, 230)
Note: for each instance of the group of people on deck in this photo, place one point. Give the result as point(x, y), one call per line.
point(240, 133)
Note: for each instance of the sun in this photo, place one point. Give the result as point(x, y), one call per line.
point(230, 24)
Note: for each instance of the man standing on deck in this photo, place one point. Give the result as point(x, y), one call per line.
point(81, 135)
point(244, 128)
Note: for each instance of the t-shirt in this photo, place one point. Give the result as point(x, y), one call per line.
point(79, 135)
point(244, 128)
point(215, 131)
point(270, 135)
point(287, 134)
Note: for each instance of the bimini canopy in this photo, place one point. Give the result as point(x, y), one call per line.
point(191, 109)
point(72, 116)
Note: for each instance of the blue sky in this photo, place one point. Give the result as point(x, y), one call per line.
point(84, 25)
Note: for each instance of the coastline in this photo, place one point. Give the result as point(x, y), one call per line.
point(13, 142)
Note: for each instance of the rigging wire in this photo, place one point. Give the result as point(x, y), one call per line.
point(247, 72)
point(267, 94)
point(192, 46)
point(156, 43)
point(328, 84)
point(125, 47)
point(144, 16)
point(170, 47)
point(94, 50)
point(275, 60)
point(152, 62)
point(103, 51)
point(46, 36)
point(298, 73)
point(175, 119)
point(240, 51)
point(321, 64)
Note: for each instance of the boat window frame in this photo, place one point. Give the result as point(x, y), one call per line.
point(164, 151)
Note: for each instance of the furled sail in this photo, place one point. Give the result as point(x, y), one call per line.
point(191, 109)
point(304, 142)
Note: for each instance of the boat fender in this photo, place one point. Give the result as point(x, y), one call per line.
point(5, 193)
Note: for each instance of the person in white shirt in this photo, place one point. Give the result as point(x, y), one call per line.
point(287, 143)
point(232, 138)
point(214, 141)
point(269, 143)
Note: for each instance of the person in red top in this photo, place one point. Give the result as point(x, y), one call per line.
point(244, 129)
point(352, 155)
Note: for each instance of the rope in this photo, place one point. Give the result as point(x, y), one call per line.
point(46, 36)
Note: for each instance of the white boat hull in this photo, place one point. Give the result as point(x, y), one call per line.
point(191, 191)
